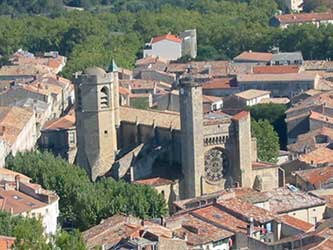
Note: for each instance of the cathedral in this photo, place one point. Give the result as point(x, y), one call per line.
point(183, 155)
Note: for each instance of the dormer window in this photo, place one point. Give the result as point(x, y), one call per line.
point(104, 98)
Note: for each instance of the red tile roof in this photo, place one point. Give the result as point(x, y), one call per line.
point(156, 181)
point(210, 99)
point(241, 115)
point(304, 17)
point(215, 215)
point(320, 117)
point(317, 176)
point(244, 209)
point(200, 232)
point(276, 69)
point(6, 243)
point(218, 83)
point(296, 223)
point(261, 165)
point(318, 156)
point(254, 56)
point(64, 122)
point(169, 37)
point(123, 91)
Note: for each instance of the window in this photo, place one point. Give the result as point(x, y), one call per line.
point(104, 98)
point(71, 137)
point(78, 99)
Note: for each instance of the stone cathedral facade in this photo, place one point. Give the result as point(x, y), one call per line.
point(183, 155)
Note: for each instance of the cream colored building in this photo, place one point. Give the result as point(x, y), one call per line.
point(20, 197)
point(17, 130)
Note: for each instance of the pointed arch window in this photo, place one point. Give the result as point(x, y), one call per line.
point(105, 97)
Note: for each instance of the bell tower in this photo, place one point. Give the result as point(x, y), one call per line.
point(97, 113)
point(192, 148)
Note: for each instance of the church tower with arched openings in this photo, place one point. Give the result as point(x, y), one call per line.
point(97, 119)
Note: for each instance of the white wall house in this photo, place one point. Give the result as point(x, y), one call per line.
point(20, 197)
point(168, 47)
point(295, 5)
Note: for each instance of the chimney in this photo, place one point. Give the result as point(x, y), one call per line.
point(162, 221)
point(185, 237)
point(17, 182)
point(250, 228)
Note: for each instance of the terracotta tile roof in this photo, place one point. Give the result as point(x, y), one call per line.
point(276, 100)
point(156, 181)
point(317, 176)
point(276, 69)
point(241, 115)
point(25, 69)
point(18, 202)
point(110, 231)
point(254, 56)
point(139, 84)
point(149, 117)
point(296, 223)
point(150, 60)
point(217, 216)
point(219, 83)
point(283, 200)
point(304, 17)
point(307, 141)
point(199, 232)
point(328, 199)
point(252, 93)
point(12, 122)
point(320, 155)
point(64, 122)
point(6, 243)
point(9, 175)
point(123, 91)
point(168, 37)
point(210, 99)
point(243, 209)
point(262, 165)
point(216, 68)
point(113, 229)
point(320, 117)
point(289, 77)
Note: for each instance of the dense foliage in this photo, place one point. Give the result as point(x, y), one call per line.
point(29, 234)
point(275, 114)
point(82, 202)
point(267, 140)
point(225, 28)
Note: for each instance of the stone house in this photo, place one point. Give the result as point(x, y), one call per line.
point(281, 85)
point(59, 136)
point(220, 87)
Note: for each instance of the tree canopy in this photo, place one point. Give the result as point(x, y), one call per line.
point(275, 114)
point(82, 202)
point(267, 140)
point(225, 28)
point(29, 234)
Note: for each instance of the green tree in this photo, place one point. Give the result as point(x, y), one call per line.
point(267, 140)
point(29, 234)
point(275, 114)
point(82, 202)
